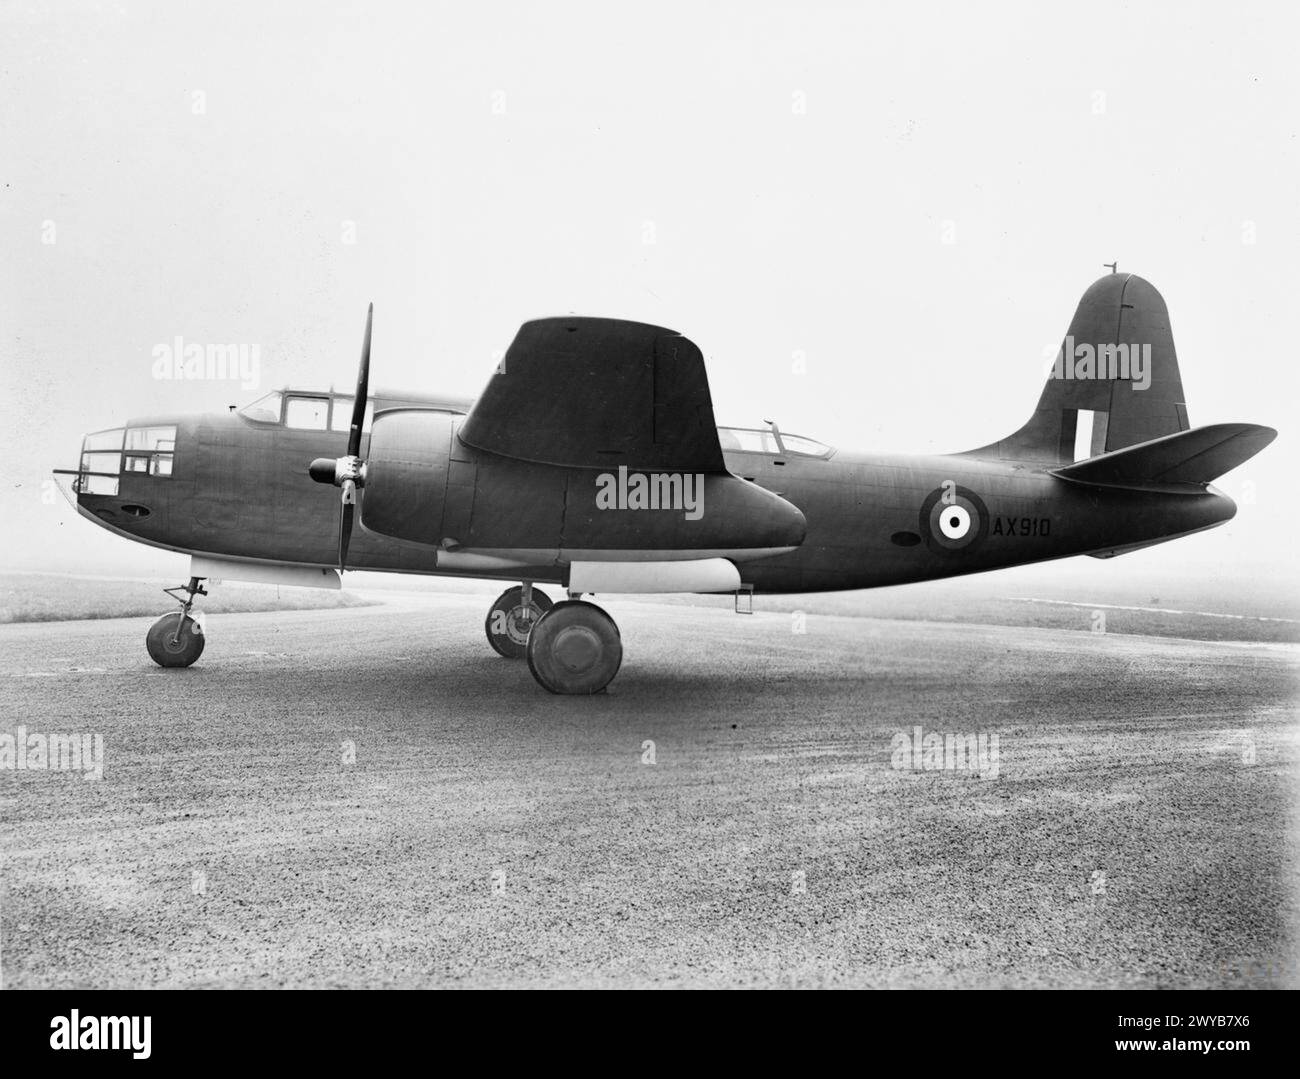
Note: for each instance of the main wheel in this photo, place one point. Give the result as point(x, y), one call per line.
point(575, 648)
point(168, 648)
point(510, 621)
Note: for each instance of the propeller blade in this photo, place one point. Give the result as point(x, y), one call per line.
point(363, 390)
point(349, 471)
point(346, 510)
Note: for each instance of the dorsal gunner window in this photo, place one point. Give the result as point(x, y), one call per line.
point(753, 440)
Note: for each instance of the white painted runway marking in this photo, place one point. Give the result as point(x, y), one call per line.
point(1158, 610)
point(60, 674)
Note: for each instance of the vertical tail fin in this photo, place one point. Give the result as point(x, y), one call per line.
point(1115, 382)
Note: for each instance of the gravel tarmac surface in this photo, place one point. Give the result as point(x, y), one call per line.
point(371, 797)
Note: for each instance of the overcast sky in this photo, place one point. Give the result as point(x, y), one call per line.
point(769, 179)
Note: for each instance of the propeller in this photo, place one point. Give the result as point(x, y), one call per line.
point(349, 471)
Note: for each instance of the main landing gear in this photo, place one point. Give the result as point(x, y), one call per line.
point(176, 640)
point(512, 618)
point(572, 647)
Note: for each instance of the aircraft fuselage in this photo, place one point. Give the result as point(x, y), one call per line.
point(237, 491)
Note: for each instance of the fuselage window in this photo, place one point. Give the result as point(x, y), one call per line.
point(307, 413)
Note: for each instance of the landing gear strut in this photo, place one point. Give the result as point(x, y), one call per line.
point(512, 617)
point(575, 648)
point(176, 640)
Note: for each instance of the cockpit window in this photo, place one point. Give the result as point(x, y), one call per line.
point(341, 419)
point(307, 413)
point(264, 409)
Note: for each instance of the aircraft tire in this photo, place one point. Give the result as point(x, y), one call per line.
point(167, 648)
point(575, 649)
point(504, 626)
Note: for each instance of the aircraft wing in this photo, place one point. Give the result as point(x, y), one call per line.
point(596, 393)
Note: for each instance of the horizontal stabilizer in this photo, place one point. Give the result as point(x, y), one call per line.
point(1188, 457)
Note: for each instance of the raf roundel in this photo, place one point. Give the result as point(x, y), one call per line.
point(953, 519)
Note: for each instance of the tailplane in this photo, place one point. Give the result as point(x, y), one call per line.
point(1115, 382)
point(1174, 462)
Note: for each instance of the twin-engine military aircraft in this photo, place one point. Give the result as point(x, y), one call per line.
point(592, 462)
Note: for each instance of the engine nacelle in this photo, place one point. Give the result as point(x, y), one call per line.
point(423, 484)
point(407, 472)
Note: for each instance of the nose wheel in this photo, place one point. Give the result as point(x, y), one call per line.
point(176, 640)
point(512, 618)
point(575, 649)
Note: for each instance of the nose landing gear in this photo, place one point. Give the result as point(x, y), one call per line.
point(176, 640)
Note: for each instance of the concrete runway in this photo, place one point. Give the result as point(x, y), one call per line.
point(1139, 832)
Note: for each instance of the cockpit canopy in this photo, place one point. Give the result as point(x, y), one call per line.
point(305, 411)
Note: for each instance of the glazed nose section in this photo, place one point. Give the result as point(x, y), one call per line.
point(99, 469)
point(135, 457)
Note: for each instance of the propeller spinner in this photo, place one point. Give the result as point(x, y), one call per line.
point(349, 471)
